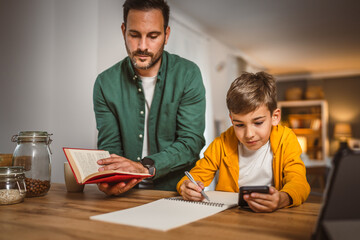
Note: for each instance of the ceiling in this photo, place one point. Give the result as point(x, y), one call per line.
point(286, 37)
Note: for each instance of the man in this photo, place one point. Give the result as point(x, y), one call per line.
point(149, 107)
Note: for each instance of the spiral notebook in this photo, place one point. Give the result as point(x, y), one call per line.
point(169, 213)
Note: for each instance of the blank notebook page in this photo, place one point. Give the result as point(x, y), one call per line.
point(169, 213)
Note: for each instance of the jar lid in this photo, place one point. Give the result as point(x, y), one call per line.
point(32, 136)
point(12, 171)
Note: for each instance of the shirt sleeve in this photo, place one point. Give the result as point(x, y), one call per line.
point(205, 168)
point(190, 126)
point(294, 182)
point(109, 136)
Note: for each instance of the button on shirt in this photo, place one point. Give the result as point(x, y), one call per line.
point(176, 121)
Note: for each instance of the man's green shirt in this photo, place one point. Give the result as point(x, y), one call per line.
point(176, 120)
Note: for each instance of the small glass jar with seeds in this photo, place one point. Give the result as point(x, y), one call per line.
point(33, 153)
point(12, 185)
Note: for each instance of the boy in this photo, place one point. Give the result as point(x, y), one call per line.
point(254, 151)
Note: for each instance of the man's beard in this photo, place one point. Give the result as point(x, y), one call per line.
point(153, 58)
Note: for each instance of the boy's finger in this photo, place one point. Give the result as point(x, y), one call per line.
point(256, 207)
point(272, 190)
point(192, 186)
point(193, 195)
point(201, 185)
point(264, 196)
point(260, 201)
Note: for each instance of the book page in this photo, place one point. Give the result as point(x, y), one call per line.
point(169, 213)
point(86, 160)
point(83, 162)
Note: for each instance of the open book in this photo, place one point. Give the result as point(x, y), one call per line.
point(83, 163)
point(169, 213)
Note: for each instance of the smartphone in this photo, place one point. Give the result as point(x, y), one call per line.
point(249, 189)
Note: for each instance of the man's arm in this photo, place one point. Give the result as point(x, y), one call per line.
point(109, 139)
point(109, 135)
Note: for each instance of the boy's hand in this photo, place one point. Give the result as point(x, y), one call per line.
point(262, 202)
point(190, 191)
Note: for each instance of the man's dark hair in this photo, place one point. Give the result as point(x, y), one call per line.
point(250, 91)
point(147, 5)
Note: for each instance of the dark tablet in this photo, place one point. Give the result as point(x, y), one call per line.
point(341, 196)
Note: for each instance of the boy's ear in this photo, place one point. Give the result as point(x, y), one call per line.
point(230, 116)
point(276, 117)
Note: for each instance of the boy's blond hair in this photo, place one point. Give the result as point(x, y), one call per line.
point(250, 91)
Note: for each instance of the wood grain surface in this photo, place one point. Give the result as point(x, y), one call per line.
point(63, 215)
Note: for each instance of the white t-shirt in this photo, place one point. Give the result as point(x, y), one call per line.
point(148, 84)
point(255, 166)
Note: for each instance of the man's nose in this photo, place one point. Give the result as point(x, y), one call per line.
point(142, 45)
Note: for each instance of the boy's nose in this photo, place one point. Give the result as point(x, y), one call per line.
point(249, 133)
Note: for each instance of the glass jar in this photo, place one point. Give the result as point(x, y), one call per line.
point(12, 185)
point(33, 153)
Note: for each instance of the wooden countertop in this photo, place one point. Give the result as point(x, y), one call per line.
point(63, 215)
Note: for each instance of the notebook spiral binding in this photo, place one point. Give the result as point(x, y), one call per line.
point(214, 204)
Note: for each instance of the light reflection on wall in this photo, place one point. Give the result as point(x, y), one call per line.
point(341, 112)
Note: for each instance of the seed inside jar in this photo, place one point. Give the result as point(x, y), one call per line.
point(10, 196)
point(36, 187)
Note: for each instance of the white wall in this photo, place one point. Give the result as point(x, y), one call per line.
point(111, 46)
point(51, 53)
point(26, 47)
point(223, 72)
point(48, 66)
point(188, 43)
point(75, 70)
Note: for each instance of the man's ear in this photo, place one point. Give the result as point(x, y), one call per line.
point(276, 117)
point(123, 29)
point(167, 34)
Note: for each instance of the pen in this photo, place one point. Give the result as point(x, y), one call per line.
point(193, 180)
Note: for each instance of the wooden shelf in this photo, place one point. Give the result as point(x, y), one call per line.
point(306, 131)
point(309, 119)
point(306, 116)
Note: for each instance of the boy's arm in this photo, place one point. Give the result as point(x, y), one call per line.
point(206, 167)
point(294, 182)
point(285, 200)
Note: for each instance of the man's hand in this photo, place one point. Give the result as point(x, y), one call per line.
point(118, 188)
point(116, 162)
point(262, 202)
point(191, 191)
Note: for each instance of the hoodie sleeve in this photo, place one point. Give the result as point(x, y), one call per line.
point(294, 180)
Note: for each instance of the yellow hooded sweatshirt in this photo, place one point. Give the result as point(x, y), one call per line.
point(289, 173)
